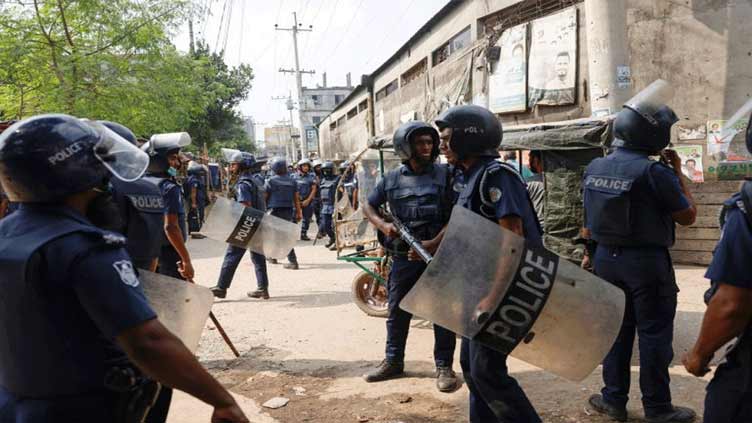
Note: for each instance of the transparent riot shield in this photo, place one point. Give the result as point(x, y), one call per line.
point(249, 228)
point(486, 283)
point(181, 307)
point(351, 225)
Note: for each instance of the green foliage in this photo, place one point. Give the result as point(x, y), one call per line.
point(113, 59)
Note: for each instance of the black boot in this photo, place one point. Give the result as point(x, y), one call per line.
point(259, 293)
point(304, 237)
point(386, 370)
point(678, 415)
point(600, 405)
point(291, 266)
point(218, 292)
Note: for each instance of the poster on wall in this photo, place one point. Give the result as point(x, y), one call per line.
point(727, 143)
point(507, 84)
point(691, 161)
point(553, 60)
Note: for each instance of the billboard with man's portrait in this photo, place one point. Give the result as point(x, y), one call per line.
point(507, 85)
point(552, 80)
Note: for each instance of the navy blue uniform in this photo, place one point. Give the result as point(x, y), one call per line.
point(197, 182)
point(247, 189)
point(328, 185)
point(68, 289)
point(317, 202)
point(281, 190)
point(629, 200)
point(494, 395)
point(305, 183)
point(729, 394)
point(142, 209)
point(173, 203)
point(423, 203)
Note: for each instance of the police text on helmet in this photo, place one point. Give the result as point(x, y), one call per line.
point(65, 153)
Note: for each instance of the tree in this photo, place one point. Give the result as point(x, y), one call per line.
point(220, 125)
point(102, 59)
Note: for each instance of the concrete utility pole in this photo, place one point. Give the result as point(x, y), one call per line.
point(608, 62)
point(297, 27)
point(290, 147)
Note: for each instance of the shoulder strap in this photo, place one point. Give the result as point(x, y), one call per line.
point(746, 208)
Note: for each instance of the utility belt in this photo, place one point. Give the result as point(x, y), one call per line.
point(135, 392)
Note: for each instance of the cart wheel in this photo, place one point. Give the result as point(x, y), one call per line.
point(376, 304)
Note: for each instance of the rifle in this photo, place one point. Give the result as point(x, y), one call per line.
point(410, 239)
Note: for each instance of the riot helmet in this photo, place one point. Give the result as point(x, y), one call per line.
point(195, 168)
point(304, 162)
point(344, 165)
point(48, 157)
point(645, 121)
point(121, 130)
point(316, 163)
point(278, 165)
point(405, 135)
point(476, 131)
point(327, 168)
point(160, 146)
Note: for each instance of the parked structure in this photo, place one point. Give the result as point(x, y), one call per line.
point(614, 49)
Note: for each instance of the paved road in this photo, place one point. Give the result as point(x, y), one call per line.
point(310, 344)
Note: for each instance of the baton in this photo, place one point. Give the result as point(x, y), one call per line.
point(221, 329)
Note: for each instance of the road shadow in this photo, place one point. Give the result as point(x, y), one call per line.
point(314, 299)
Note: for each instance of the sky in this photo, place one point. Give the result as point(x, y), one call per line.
point(354, 36)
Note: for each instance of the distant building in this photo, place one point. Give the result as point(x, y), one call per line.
point(317, 104)
point(277, 139)
point(249, 124)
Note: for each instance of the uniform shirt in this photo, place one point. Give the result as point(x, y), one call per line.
point(91, 294)
point(173, 201)
point(513, 198)
point(731, 264)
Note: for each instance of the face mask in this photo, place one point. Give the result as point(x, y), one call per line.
point(172, 171)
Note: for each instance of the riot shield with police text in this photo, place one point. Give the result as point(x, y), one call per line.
point(181, 307)
point(488, 284)
point(246, 227)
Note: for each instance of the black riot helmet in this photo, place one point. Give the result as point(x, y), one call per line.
point(749, 135)
point(160, 146)
point(405, 135)
point(327, 168)
point(645, 121)
point(194, 168)
point(476, 131)
point(46, 158)
point(278, 165)
point(121, 130)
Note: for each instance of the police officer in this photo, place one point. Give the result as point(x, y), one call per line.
point(328, 184)
point(419, 194)
point(729, 394)
point(195, 192)
point(317, 198)
point(281, 195)
point(470, 137)
point(164, 161)
point(307, 190)
point(79, 336)
point(248, 191)
point(631, 206)
point(141, 210)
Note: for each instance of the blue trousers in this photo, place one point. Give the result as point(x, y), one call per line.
point(168, 262)
point(494, 395)
point(402, 278)
point(287, 214)
point(729, 394)
point(230, 265)
point(307, 215)
point(646, 275)
point(92, 408)
point(327, 226)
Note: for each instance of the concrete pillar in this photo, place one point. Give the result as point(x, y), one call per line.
point(608, 55)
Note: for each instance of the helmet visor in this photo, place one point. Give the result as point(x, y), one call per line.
point(120, 157)
point(230, 154)
point(649, 101)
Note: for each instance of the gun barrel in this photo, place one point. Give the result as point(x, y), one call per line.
point(408, 237)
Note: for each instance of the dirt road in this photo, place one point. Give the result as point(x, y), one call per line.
point(310, 344)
